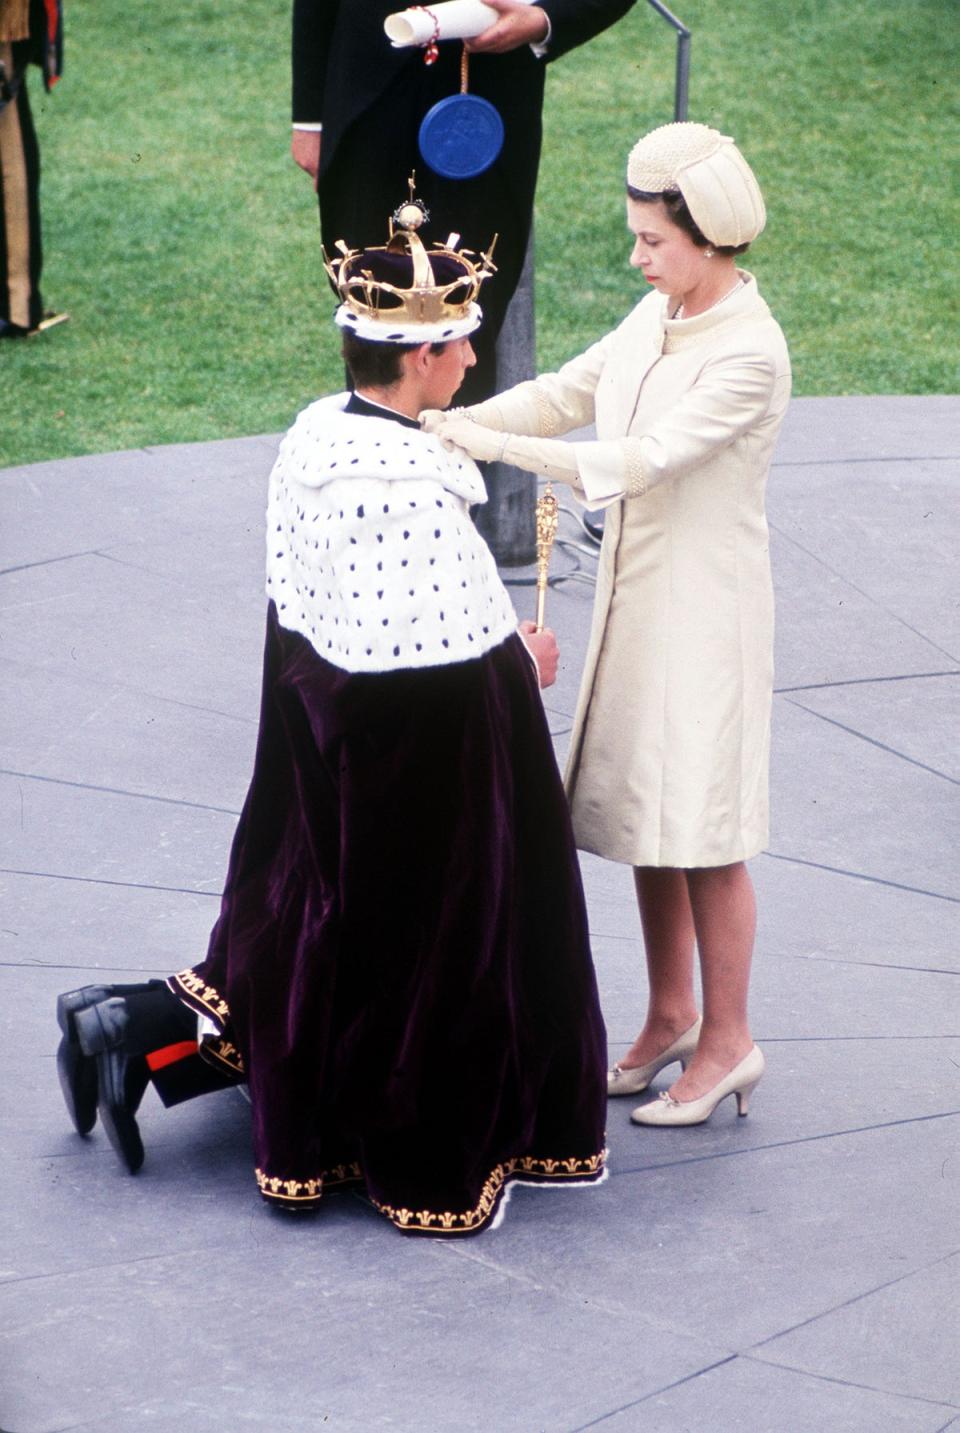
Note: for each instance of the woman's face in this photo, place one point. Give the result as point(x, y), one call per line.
point(665, 253)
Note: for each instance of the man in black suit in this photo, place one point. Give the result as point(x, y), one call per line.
point(369, 100)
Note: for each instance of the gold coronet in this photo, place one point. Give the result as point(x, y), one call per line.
point(426, 301)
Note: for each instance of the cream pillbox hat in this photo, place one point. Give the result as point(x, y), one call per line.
point(708, 169)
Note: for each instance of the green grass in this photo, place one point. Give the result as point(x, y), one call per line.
point(185, 244)
point(847, 111)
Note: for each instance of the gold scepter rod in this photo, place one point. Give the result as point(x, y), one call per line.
point(548, 516)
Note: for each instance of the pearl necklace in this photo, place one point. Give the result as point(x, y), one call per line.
point(716, 303)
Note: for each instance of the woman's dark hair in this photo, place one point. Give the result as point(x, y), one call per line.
point(676, 206)
point(377, 365)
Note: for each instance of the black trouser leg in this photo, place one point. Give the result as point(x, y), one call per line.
point(161, 1028)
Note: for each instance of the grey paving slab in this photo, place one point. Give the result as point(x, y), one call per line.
point(393, 1358)
point(900, 1338)
point(738, 1247)
point(122, 739)
point(804, 911)
point(51, 510)
point(829, 788)
point(86, 929)
point(824, 914)
point(754, 1273)
point(231, 568)
point(613, 908)
point(101, 836)
point(829, 630)
point(879, 525)
point(196, 1189)
point(743, 1398)
point(799, 999)
point(914, 718)
point(111, 611)
point(833, 430)
point(846, 999)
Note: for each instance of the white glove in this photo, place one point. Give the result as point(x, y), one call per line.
point(483, 444)
point(523, 412)
point(432, 418)
point(551, 457)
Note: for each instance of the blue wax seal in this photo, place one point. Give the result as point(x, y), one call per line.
point(461, 136)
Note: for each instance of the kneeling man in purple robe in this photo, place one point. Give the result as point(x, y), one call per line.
point(400, 972)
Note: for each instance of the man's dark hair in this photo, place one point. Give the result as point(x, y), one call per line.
point(676, 206)
point(377, 365)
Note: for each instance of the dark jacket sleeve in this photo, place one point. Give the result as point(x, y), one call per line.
point(313, 23)
point(573, 22)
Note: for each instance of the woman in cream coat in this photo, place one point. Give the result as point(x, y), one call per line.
point(669, 754)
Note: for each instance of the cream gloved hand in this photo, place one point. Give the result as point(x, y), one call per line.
point(597, 472)
point(488, 414)
point(541, 408)
point(555, 460)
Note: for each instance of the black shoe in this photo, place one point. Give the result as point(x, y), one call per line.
point(121, 1078)
point(77, 1071)
point(12, 330)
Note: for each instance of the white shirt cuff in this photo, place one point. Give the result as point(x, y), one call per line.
point(308, 126)
point(542, 46)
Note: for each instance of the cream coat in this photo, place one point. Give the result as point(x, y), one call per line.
point(669, 754)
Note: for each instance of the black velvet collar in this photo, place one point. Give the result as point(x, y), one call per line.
point(356, 404)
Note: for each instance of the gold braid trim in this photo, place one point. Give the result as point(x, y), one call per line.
point(223, 1054)
point(217, 1050)
point(636, 484)
point(201, 994)
point(546, 417)
point(429, 1221)
point(307, 1191)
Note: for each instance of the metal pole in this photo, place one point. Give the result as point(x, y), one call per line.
point(683, 76)
point(507, 520)
point(682, 90)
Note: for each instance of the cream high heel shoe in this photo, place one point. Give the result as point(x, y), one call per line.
point(631, 1082)
point(741, 1082)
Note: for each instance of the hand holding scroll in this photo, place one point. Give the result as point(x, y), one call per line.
point(519, 23)
point(487, 26)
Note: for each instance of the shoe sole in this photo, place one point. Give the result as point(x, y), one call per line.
point(124, 1136)
point(76, 1072)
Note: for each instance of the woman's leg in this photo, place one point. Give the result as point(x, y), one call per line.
point(724, 913)
point(669, 938)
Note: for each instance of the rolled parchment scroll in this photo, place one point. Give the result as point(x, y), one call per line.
point(449, 20)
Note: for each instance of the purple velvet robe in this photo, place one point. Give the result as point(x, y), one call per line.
point(401, 967)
